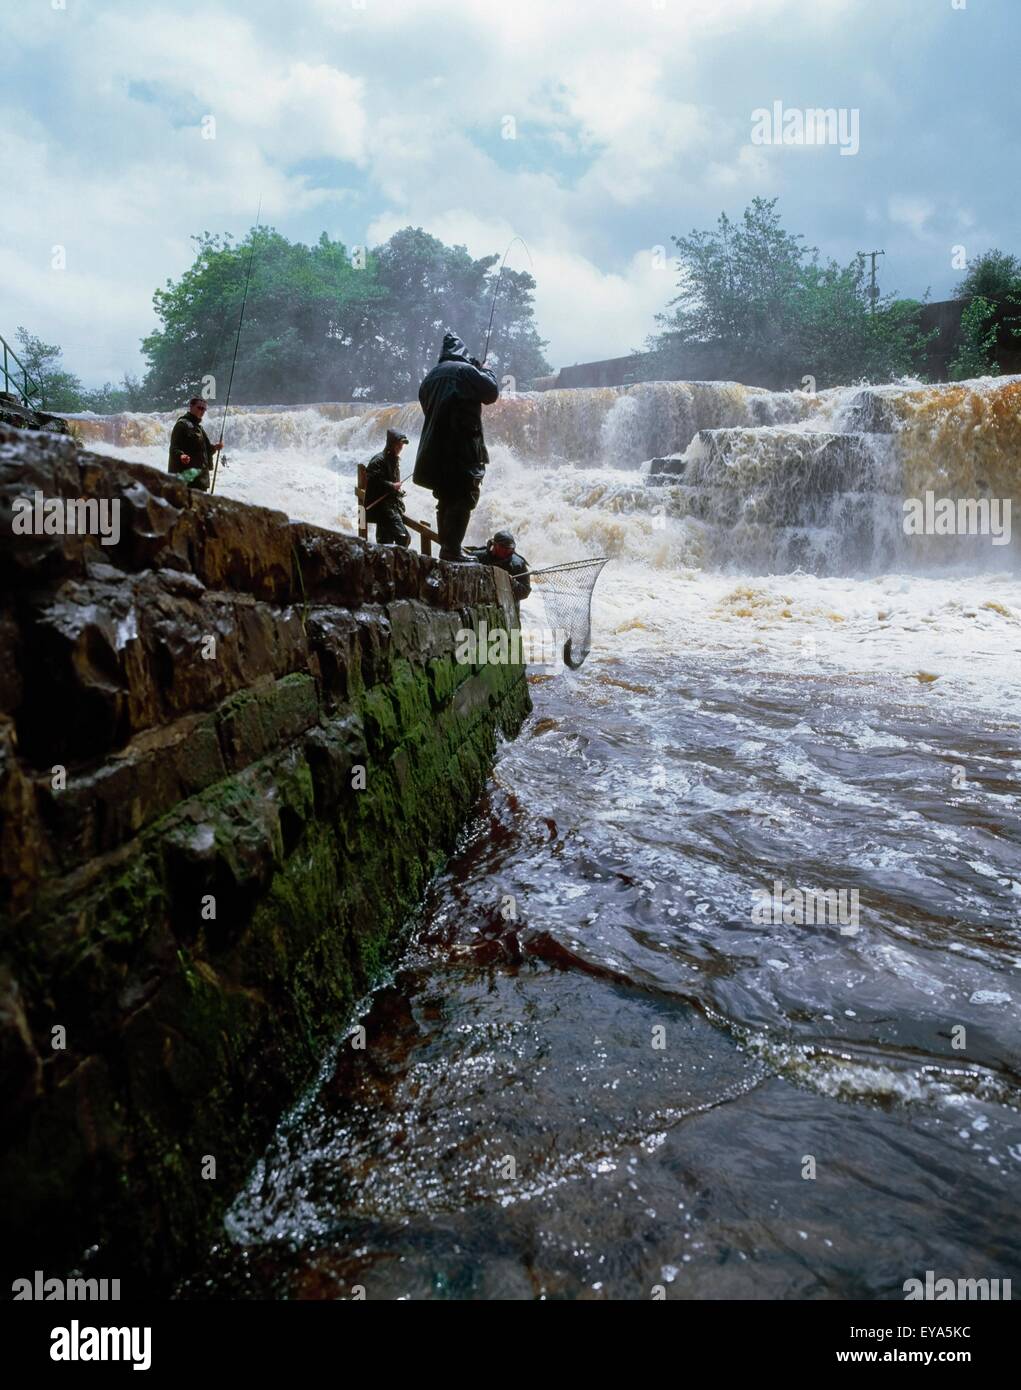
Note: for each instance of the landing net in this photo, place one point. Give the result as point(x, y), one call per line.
point(566, 592)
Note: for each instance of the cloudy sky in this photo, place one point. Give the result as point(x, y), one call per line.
point(632, 121)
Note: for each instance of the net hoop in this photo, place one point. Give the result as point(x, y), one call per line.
point(568, 604)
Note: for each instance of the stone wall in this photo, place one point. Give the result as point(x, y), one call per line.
point(196, 880)
point(711, 363)
point(13, 411)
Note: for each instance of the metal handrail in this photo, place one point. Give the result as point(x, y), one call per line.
point(29, 391)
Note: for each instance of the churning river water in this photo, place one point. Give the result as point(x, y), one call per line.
point(605, 1064)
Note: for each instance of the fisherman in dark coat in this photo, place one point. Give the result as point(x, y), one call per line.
point(501, 551)
point(191, 450)
point(452, 455)
point(383, 492)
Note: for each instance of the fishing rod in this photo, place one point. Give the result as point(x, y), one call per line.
point(383, 498)
point(496, 291)
point(237, 344)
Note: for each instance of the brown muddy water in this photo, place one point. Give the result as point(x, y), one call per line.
point(595, 1071)
point(516, 1125)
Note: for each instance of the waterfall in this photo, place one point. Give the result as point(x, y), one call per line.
point(705, 475)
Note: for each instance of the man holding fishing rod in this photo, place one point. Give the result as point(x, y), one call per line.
point(452, 456)
point(383, 492)
point(191, 449)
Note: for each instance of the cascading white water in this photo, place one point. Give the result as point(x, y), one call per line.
point(782, 685)
point(781, 522)
point(829, 470)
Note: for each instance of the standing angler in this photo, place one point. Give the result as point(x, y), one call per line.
point(452, 455)
point(383, 492)
point(191, 450)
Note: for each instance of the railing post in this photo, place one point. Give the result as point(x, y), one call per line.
point(26, 390)
point(360, 485)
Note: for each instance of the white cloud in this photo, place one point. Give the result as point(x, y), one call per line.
point(585, 305)
point(633, 124)
point(578, 304)
point(912, 212)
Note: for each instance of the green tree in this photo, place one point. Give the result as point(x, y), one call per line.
point(993, 275)
point(59, 389)
point(108, 399)
point(759, 295)
point(322, 324)
point(431, 287)
point(306, 306)
point(976, 349)
point(515, 348)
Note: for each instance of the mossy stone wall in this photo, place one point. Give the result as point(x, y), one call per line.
point(232, 752)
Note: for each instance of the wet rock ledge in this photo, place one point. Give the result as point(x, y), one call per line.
point(196, 880)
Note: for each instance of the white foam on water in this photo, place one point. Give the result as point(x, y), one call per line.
point(566, 475)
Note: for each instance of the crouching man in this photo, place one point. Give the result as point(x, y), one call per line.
point(502, 552)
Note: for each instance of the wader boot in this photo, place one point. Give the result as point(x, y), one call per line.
point(390, 527)
point(452, 517)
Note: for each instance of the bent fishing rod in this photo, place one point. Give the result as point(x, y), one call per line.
point(237, 343)
point(496, 291)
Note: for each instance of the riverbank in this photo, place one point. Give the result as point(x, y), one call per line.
point(235, 749)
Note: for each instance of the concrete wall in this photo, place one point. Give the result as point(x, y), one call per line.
point(196, 882)
point(696, 364)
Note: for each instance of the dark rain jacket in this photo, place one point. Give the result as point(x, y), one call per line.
point(516, 566)
point(190, 438)
point(381, 470)
point(452, 455)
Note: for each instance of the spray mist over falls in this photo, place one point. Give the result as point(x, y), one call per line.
point(755, 482)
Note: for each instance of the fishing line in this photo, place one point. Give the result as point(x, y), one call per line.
point(496, 291)
point(237, 344)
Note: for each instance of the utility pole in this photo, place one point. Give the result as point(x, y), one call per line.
point(873, 287)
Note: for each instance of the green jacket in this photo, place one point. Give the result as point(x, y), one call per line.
point(380, 471)
point(516, 566)
point(190, 438)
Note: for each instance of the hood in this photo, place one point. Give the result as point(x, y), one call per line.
point(453, 349)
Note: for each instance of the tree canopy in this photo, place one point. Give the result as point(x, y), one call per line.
point(993, 275)
point(321, 323)
point(324, 323)
point(757, 291)
point(60, 389)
